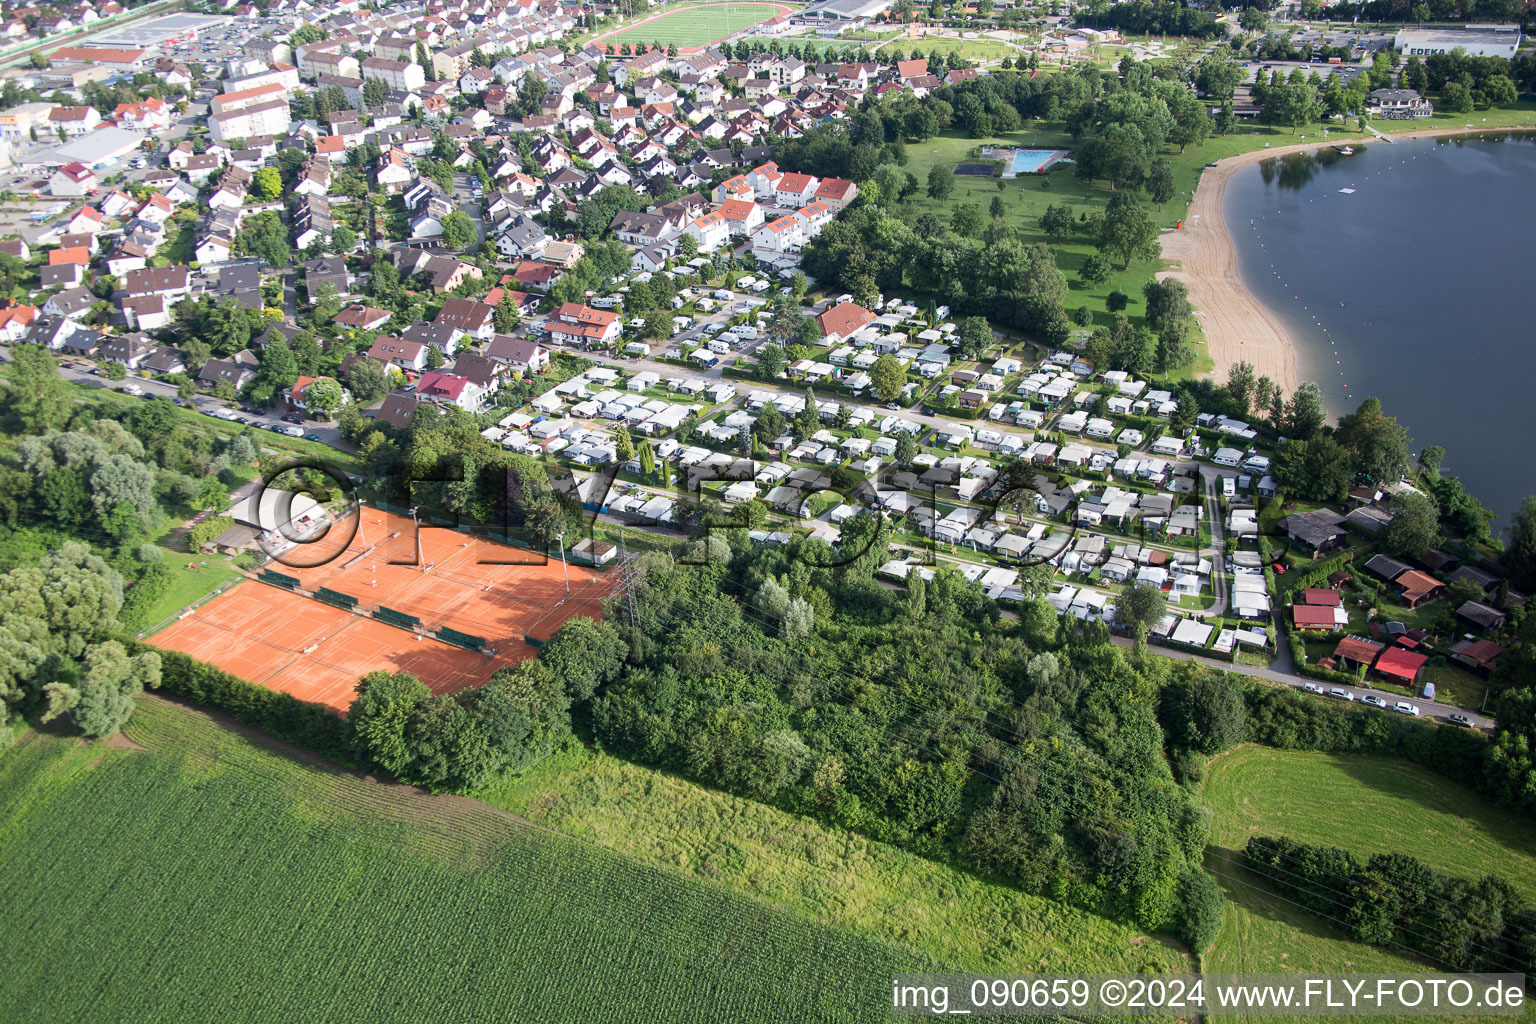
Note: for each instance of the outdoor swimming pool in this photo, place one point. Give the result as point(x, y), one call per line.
point(1028, 161)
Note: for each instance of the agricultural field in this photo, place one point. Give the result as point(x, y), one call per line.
point(836, 877)
point(189, 872)
point(695, 25)
point(1364, 804)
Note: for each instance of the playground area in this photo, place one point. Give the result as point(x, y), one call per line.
point(694, 27)
point(449, 608)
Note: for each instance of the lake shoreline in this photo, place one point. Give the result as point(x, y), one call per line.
point(1238, 326)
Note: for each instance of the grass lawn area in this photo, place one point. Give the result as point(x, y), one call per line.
point(188, 583)
point(696, 24)
point(801, 867)
point(1026, 197)
point(1367, 804)
point(971, 49)
point(1364, 804)
point(204, 852)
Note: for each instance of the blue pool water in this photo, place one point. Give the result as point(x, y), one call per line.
point(1028, 161)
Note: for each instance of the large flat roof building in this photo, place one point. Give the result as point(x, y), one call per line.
point(1477, 40)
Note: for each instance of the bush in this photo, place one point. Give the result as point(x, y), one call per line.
point(1200, 903)
point(148, 553)
point(1117, 301)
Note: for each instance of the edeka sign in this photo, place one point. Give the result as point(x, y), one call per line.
point(1425, 51)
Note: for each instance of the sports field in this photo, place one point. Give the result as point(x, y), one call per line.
point(694, 26)
point(317, 652)
point(317, 649)
point(206, 877)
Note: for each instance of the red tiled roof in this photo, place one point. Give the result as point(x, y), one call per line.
point(1395, 661)
point(1322, 596)
point(843, 319)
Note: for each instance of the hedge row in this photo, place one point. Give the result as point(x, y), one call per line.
point(312, 726)
point(1393, 899)
point(1286, 718)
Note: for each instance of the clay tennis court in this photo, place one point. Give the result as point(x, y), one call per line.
point(317, 651)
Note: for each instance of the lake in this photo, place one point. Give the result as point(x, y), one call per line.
point(1414, 286)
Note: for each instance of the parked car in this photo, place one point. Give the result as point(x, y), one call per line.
point(1402, 707)
point(1373, 700)
point(311, 437)
point(1312, 688)
point(1459, 719)
point(1341, 694)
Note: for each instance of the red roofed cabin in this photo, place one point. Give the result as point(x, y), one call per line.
point(575, 324)
point(1320, 617)
point(1399, 665)
point(838, 323)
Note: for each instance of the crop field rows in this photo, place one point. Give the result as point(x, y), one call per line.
point(233, 887)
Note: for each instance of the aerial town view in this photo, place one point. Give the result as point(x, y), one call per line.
point(707, 511)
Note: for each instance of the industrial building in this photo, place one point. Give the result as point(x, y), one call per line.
point(1477, 40)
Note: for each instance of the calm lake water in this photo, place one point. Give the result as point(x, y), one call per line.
point(1416, 287)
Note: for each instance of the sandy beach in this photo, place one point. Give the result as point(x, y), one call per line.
point(1237, 325)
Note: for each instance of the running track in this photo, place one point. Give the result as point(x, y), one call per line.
point(684, 10)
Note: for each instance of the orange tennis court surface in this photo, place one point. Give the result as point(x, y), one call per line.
point(317, 652)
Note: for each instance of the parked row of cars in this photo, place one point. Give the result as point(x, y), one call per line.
point(1402, 707)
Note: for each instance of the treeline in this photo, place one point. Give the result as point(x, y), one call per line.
point(869, 250)
point(108, 471)
point(1393, 899)
point(1027, 749)
point(443, 464)
point(1154, 18)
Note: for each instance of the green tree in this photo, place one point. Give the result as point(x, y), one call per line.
point(1168, 307)
point(966, 221)
point(459, 231)
point(35, 393)
point(1058, 223)
point(1304, 415)
point(1140, 606)
point(1127, 232)
point(1520, 553)
point(584, 655)
point(507, 316)
point(100, 701)
point(380, 715)
point(1378, 443)
point(1096, 270)
point(1160, 182)
point(770, 360)
point(941, 184)
point(343, 239)
point(1414, 528)
point(887, 377)
point(322, 397)
point(975, 336)
point(996, 209)
point(279, 369)
point(906, 448)
point(269, 183)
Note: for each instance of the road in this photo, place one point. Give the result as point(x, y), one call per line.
point(1427, 708)
point(327, 433)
